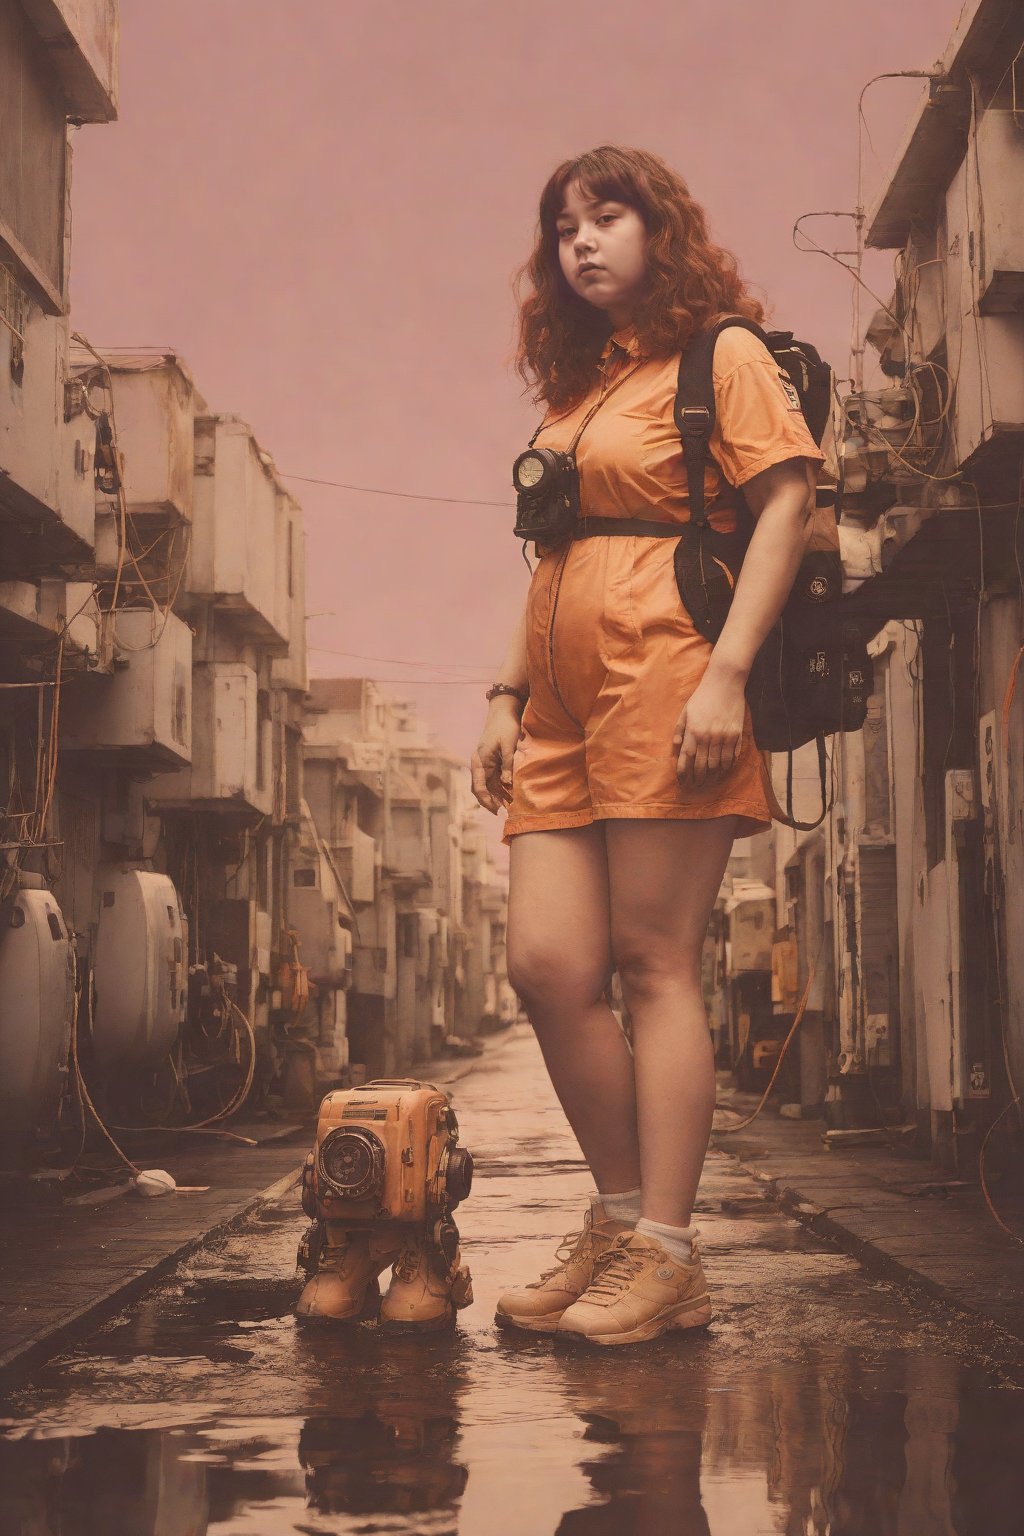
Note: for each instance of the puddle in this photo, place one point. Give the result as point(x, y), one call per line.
point(820, 1403)
point(446, 1440)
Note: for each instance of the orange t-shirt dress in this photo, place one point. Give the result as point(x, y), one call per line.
point(612, 654)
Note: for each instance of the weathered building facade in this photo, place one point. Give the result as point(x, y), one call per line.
point(58, 67)
point(428, 940)
point(196, 903)
point(903, 909)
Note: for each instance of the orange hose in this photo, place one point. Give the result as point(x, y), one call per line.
point(727, 1130)
point(981, 1173)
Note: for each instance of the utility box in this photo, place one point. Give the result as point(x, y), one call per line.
point(144, 707)
point(235, 549)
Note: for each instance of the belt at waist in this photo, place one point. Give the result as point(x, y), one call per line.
point(626, 527)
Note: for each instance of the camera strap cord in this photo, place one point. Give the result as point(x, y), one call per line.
point(608, 390)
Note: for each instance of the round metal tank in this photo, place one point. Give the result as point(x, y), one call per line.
point(36, 1007)
point(140, 968)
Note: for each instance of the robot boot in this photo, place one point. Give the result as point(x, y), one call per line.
point(380, 1185)
point(426, 1287)
point(345, 1283)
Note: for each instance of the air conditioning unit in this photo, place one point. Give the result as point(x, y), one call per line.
point(751, 914)
point(235, 555)
point(314, 912)
point(231, 745)
point(970, 1075)
point(140, 968)
point(48, 481)
point(1000, 153)
point(291, 671)
point(357, 859)
point(36, 1006)
point(143, 709)
point(71, 606)
point(155, 404)
point(989, 343)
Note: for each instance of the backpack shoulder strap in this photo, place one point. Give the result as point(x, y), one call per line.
point(694, 410)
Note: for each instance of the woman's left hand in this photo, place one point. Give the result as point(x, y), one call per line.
point(709, 731)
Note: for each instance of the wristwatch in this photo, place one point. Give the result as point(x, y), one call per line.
point(517, 693)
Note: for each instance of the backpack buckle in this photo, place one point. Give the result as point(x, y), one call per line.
point(693, 420)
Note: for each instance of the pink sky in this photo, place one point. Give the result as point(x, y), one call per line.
point(320, 207)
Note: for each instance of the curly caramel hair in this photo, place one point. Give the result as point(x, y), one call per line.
point(692, 282)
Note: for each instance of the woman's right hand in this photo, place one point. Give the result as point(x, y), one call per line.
point(492, 761)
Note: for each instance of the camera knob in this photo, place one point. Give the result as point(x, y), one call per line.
point(459, 1176)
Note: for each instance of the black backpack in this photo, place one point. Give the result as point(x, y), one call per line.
point(812, 675)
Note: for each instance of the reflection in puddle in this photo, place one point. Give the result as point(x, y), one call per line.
point(381, 1462)
point(912, 1446)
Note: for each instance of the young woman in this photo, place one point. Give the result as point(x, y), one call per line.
point(632, 767)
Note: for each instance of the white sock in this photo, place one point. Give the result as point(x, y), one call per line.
point(676, 1241)
point(620, 1207)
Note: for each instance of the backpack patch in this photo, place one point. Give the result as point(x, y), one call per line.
point(790, 391)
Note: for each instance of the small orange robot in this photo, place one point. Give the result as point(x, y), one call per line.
point(380, 1185)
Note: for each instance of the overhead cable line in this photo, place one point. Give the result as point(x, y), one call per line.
point(374, 490)
point(416, 682)
point(401, 661)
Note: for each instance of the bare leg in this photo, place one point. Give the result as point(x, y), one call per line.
point(559, 960)
point(664, 877)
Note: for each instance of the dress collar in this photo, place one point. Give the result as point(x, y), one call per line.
point(625, 342)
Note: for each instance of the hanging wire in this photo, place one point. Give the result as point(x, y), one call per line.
point(728, 1130)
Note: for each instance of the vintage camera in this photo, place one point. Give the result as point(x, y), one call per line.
point(547, 484)
point(380, 1185)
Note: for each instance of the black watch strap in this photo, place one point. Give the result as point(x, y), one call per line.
point(498, 688)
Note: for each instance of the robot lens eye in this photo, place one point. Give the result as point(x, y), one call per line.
point(352, 1162)
point(349, 1162)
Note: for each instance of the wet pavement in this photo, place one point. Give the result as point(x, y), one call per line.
point(820, 1400)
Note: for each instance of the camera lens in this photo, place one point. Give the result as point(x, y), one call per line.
point(352, 1162)
point(528, 471)
point(460, 1174)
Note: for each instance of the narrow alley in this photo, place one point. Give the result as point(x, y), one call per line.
point(820, 1400)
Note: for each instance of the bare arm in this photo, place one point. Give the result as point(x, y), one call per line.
point(710, 728)
point(492, 761)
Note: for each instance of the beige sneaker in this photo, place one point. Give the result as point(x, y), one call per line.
point(541, 1303)
point(638, 1292)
